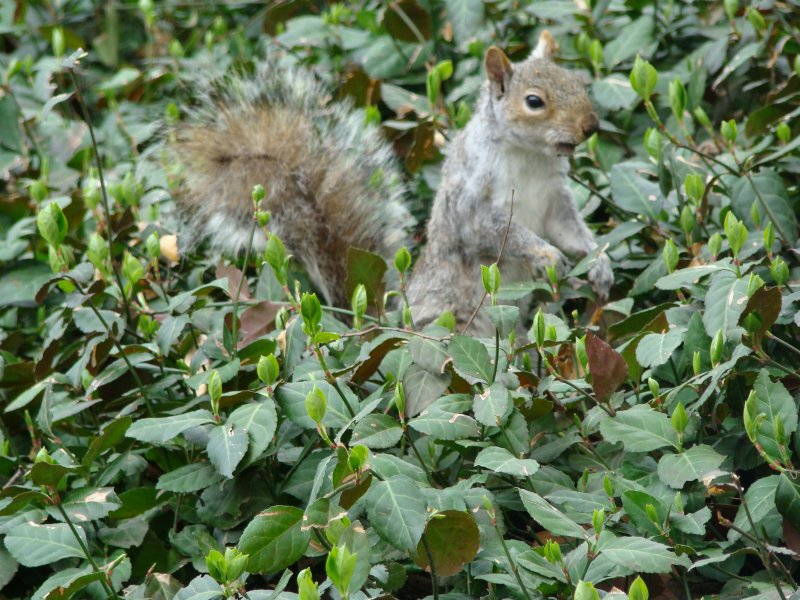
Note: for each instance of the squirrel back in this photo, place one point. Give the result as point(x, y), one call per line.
point(331, 180)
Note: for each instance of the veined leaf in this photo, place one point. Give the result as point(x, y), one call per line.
point(693, 465)
point(397, 511)
point(640, 429)
point(274, 539)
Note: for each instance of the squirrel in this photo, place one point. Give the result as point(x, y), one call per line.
point(529, 117)
point(332, 181)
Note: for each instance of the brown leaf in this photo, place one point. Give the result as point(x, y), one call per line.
point(766, 304)
point(407, 21)
point(609, 370)
point(256, 321)
point(791, 536)
point(234, 276)
point(440, 534)
point(368, 366)
point(423, 148)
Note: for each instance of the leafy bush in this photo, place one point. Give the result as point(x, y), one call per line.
point(192, 429)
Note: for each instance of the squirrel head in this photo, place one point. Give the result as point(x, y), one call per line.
point(540, 105)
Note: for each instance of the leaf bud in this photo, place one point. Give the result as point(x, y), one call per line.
point(717, 346)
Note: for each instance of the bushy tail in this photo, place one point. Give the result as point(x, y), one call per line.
point(332, 182)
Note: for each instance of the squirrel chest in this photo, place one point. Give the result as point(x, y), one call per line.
point(536, 180)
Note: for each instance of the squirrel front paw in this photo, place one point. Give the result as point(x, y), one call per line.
point(601, 276)
point(546, 255)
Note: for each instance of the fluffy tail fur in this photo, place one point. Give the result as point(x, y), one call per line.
point(331, 180)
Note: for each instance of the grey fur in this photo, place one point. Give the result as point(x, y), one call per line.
point(507, 148)
point(331, 179)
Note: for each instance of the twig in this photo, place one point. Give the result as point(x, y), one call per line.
point(104, 581)
point(499, 256)
point(434, 583)
point(103, 193)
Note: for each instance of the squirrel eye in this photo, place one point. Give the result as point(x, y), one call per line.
point(533, 101)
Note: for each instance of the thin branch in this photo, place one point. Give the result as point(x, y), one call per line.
point(499, 256)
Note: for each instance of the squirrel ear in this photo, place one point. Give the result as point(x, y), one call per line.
point(545, 47)
point(498, 69)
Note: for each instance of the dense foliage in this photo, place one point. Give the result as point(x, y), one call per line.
point(171, 428)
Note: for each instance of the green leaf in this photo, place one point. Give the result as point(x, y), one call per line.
point(693, 523)
point(585, 590)
point(640, 429)
point(34, 545)
point(163, 429)
point(614, 93)
point(772, 200)
point(760, 499)
point(471, 359)
point(466, 17)
point(188, 478)
point(128, 533)
point(202, 587)
point(87, 504)
point(52, 224)
point(226, 448)
point(655, 349)
point(693, 465)
point(397, 511)
point(773, 401)
point(641, 554)
point(428, 354)
point(169, 331)
point(685, 278)
point(501, 460)
point(291, 398)
point(725, 301)
point(274, 539)
point(18, 286)
point(490, 407)
point(635, 504)
point(44, 473)
point(549, 517)
point(633, 192)
point(633, 37)
point(377, 431)
point(8, 567)
point(444, 420)
point(367, 269)
point(259, 420)
point(75, 583)
point(504, 317)
point(422, 388)
point(113, 434)
point(787, 498)
point(445, 528)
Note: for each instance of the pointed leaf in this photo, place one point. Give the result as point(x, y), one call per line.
point(274, 539)
point(226, 448)
point(397, 511)
point(609, 370)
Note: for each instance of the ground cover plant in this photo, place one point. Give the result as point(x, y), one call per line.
point(191, 427)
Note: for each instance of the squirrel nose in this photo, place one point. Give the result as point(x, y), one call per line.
point(590, 125)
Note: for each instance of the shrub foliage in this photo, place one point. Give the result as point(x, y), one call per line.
point(191, 428)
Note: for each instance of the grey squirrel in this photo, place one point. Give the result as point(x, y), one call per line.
point(332, 182)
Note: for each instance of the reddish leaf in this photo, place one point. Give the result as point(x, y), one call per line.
point(440, 534)
point(256, 321)
point(399, 18)
point(234, 276)
point(766, 304)
point(609, 370)
point(367, 368)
